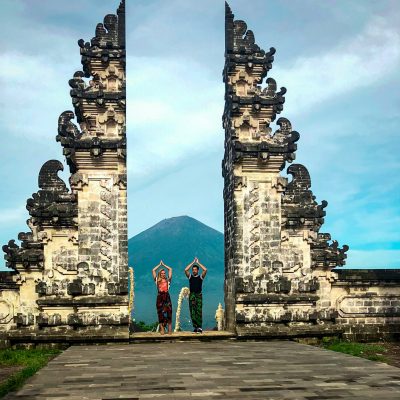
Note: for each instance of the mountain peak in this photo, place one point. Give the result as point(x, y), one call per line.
point(182, 219)
point(177, 241)
point(177, 226)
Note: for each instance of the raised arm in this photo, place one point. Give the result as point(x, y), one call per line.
point(204, 273)
point(187, 273)
point(154, 271)
point(169, 270)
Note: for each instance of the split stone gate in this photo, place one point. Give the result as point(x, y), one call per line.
point(69, 276)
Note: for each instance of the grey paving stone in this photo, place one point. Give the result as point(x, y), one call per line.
point(210, 370)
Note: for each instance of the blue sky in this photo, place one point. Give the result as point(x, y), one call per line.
point(338, 59)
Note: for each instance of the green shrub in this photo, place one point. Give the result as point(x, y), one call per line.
point(141, 326)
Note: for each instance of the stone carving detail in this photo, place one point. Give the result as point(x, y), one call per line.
point(29, 255)
point(241, 47)
point(298, 203)
point(106, 220)
point(6, 311)
point(65, 260)
point(78, 181)
point(66, 128)
point(253, 217)
point(328, 255)
point(109, 40)
point(52, 206)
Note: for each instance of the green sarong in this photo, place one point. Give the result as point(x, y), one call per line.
point(196, 309)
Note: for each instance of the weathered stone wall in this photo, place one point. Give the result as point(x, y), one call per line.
point(368, 303)
point(70, 279)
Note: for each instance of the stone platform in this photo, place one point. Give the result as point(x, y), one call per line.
point(215, 370)
point(179, 336)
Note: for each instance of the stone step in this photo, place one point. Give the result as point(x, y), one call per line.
point(151, 337)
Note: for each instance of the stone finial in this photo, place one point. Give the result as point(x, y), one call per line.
point(66, 128)
point(299, 207)
point(240, 45)
point(108, 42)
point(52, 204)
point(48, 176)
point(326, 253)
point(29, 255)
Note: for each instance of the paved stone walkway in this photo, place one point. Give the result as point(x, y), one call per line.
point(215, 370)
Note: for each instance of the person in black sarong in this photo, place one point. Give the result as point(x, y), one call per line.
point(196, 295)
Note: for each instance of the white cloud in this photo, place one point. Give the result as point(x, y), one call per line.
point(173, 117)
point(359, 62)
point(34, 93)
point(175, 104)
point(173, 113)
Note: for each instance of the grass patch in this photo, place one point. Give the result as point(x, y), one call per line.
point(30, 360)
point(373, 352)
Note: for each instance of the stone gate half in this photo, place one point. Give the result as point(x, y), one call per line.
point(277, 263)
point(69, 277)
